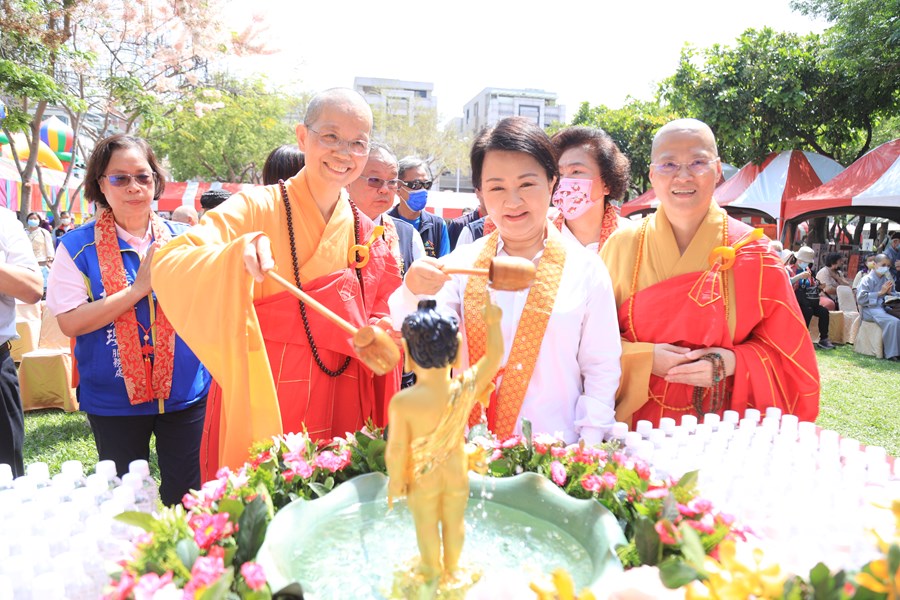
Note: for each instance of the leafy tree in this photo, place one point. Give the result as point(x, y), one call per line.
point(421, 136)
point(115, 63)
point(224, 133)
point(632, 128)
point(774, 91)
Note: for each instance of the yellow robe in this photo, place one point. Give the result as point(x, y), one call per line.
point(200, 279)
point(775, 363)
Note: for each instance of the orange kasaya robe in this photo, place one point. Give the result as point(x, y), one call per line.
point(251, 335)
point(678, 299)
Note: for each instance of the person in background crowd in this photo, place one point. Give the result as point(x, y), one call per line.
point(185, 214)
point(457, 225)
point(20, 279)
point(892, 251)
point(874, 289)
point(868, 265)
point(807, 292)
point(137, 377)
point(281, 366)
point(690, 263)
point(373, 192)
point(66, 224)
point(415, 181)
point(282, 163)
point(41, 244)
point(561, 349)
point(776, 247)
point(830, 277)
point(590, 154)
point(211, 199)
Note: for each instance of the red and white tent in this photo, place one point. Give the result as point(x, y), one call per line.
point(762, 188)
point(179, 193)
point(766, 187)
point(873, 181)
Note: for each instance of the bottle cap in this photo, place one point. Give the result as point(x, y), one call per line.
point(689, 422)
point(731, 416)
point(140, 466)
point(6, 475)
point(752, 413)
point(656, 437)
point(712, 419)
point(774, 412)
point(38, 471)
point(644, 427)
point(667, 424)
point(107, 469)
point(632, 438)
point(73, 468)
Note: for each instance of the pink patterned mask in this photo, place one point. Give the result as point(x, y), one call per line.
point(573, 197)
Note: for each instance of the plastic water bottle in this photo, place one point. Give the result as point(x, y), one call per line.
point(151, 489)
point(75, 471)
point(142, 501)
point(107, 469)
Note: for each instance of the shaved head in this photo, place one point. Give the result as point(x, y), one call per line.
point(692, 126)
point(343, 99)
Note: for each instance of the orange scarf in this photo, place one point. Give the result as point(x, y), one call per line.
point(507, 400)
point(608, 225)
point(145, 379)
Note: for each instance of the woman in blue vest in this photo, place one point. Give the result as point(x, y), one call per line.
point(137, 377)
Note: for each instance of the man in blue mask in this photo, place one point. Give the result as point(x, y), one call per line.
point(413, 191)
point(874, 290)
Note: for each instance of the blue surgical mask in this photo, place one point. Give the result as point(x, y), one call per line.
point(802, 265)
point(417, 200)
point(33, 222)
point(881, 270)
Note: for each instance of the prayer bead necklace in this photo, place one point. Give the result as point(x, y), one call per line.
point(296, 265)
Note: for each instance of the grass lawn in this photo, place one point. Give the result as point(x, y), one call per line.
point(860, 399)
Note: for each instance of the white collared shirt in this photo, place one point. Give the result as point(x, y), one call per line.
point(15, 249)
point(573, 387)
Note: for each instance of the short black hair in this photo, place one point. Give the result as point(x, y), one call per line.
point(101, 156)
point(431, 336)
point(212, 198)
point(615, 168)
point(514, 134)
point(832, 257)
point(282, 163)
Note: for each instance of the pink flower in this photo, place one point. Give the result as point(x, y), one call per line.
point(642, 469)
point(511, 442)
point(497, 454)
point(189, 501)
point(149, 584)
point(208, 529)
point(254, 575)
point(558, 473)
point(592, 483)
point(122, 588)
point(656, 493)
point(330, 461)
point(215, 489)
point(260, 459)
point(223, 473)
point(557, 452)
point(619, 457)
point(295, 455)
point(668, 534)
point(206, 572)
point(609, 480)
point(705, 525)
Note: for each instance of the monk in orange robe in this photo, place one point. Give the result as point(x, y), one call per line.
point(281, 366)
point(707, 315)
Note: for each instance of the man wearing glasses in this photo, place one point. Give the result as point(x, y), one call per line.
point(373, 192)
point(415, 181)
point(282, 367)
point(708, 318)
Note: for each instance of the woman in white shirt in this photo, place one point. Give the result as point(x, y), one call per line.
point(561, 341)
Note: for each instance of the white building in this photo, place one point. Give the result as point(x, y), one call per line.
point(493, 104)
point(396, 97)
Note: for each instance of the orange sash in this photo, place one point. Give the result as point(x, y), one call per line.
point(145, 379)
point(506, 402)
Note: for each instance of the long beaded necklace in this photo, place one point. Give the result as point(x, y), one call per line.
point(718, 393)
point(296, 266)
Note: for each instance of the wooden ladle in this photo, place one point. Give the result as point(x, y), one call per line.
point(506, 273)
point(373, 345)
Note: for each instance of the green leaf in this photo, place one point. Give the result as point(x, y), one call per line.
point(670, 507)
point(234, 508)
point(187, 551)
point(688, 481)
point(691, 546)
point(319, 489)
point(251, 531)
point(893, 558)
point(526, 433)
point(219, 589)
point(675, 573)
point(647, 541)
point(329, 483)
point(138, 519)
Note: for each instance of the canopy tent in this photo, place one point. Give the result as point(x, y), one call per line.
point(53, 181)
point(188, 193)
point(871, 185)
point(647, 201)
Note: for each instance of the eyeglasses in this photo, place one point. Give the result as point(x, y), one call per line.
point(695, 167)
point(142, 179)
point(332, 140)
point(378, 182)
point(417, 184)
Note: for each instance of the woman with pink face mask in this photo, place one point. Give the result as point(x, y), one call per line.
point(593, 172)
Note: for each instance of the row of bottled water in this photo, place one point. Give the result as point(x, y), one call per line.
point(59, 533)
point(807, 494)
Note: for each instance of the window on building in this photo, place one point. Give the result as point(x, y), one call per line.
point(530, 112)
point(422, 93)
point(476, 109)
